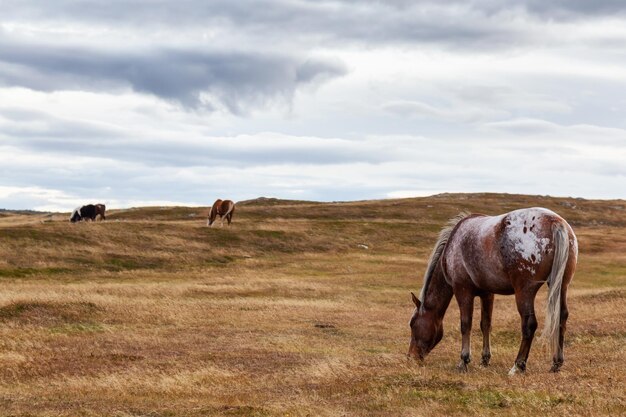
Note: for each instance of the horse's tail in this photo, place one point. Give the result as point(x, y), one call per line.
point(231, 209)
point(555, 281)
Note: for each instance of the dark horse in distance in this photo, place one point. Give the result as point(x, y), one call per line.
point(478, 255)
point(88, 212)
point(222, 208)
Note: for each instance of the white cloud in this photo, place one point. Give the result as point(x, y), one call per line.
point(308, 100)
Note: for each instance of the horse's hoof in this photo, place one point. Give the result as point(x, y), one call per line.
point(462, 367)
point(484, 362)
point(516, 370)
point(556, 367)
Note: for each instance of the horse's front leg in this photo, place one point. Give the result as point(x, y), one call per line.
point(485, 326)
point(465, 300)
point(526, 307)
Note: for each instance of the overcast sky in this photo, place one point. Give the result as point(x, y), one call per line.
point(160, 102)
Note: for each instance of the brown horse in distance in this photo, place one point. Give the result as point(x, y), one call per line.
point(222, 208)
point(479, 256)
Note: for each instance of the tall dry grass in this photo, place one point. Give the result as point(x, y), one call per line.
point(153, 314)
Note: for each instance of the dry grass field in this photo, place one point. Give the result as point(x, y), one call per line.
point(298, 309)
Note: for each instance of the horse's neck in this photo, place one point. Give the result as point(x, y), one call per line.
point(439, 293)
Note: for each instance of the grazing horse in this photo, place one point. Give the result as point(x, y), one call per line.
point(83, 213)
point(100, 209)
point(478, 255)
point(224, 208)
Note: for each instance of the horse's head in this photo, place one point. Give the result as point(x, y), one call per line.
point(426, 330)
point(75, 217)
point(213, 213)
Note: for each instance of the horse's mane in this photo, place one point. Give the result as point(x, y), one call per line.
point(444, 235)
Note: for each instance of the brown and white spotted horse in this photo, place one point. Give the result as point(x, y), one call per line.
point(222, 208)
point(478, 255)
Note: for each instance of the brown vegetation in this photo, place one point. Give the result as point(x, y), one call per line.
point(296, 309)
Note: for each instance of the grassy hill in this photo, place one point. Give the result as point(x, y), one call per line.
point(299, 308)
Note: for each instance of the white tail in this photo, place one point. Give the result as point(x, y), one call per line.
point(555, 281)
point(231, 208)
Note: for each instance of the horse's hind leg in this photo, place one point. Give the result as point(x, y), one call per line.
point(465, 299)
point(485, 326)
point(558, 359)
point(526, 307)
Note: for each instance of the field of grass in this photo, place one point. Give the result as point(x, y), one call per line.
point(298, 309)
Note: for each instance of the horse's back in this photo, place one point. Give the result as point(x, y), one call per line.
point(495, 252)
point(88, 211)
point(225, 206)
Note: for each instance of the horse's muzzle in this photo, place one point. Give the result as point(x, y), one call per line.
point(414, 355)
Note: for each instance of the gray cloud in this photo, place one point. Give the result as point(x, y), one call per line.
point(42, 132)
point(568, 9)
point(578, 134)
point(479, 23)
point(21, 125)
point(311, 23)
point(237, 81)
point(457, 114)
point(467, 165)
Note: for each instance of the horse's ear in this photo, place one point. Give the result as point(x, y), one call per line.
point(416, 301)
